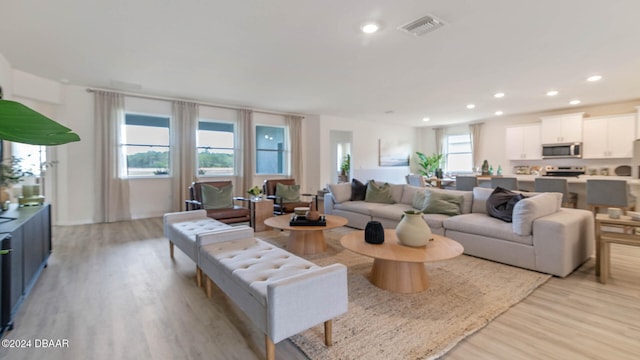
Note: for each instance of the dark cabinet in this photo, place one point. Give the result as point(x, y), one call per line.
point(27, 232)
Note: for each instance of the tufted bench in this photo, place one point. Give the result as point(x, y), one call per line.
point(188, 230)
point(281, 293)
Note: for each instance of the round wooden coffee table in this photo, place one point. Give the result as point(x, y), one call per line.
point(401, 268)
point(305, 240)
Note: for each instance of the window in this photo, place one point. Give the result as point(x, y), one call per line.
point(458, 154)
point(216, 148)
point(145, 142)
point(270, 150)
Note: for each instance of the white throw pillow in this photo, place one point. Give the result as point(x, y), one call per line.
point(480, 196)
point(340, 192)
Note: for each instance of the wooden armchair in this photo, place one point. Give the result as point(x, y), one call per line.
point(228, 215)
point(280, 205)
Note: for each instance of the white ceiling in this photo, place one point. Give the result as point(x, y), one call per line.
point(310, 57)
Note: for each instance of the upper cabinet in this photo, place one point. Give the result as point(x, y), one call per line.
point(523, 142)
point(609, 136)
point(566, 128)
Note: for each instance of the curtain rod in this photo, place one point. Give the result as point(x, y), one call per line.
point(164, 98)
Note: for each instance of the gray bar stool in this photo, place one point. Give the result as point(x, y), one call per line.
point(609, 193)
point(466, 183)
point(548, 184)
point(509, 183)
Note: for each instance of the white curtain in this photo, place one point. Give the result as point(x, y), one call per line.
point(247, 151)
point(183, 156)
point(294, 123)
point(112, 188)
point(474, 131)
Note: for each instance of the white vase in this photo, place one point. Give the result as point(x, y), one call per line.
point(413, 230)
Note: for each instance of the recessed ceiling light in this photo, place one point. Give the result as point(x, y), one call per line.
point(425, 119)
point(470, 106)
point(594, 78)
point(552, 93)
point(498, 95)
point(370, 28)
point(499, 112)
point(574, 102)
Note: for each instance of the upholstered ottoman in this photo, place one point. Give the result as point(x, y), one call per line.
point(281, 293)
point(188, 230)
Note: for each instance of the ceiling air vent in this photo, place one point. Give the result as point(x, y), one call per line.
point(422, 25)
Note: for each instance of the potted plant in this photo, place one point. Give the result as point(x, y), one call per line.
point(255, 192)
point(11, 172)
point(345, 167)
point(429, 164)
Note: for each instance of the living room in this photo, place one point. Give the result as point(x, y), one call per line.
point(75, 193)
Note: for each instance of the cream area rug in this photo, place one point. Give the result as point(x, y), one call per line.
point(465, 294)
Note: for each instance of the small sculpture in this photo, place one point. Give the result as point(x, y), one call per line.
point(312, 214)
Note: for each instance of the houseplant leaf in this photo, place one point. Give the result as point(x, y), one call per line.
point(21, 124)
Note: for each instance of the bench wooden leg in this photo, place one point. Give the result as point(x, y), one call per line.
point(209, 289)
point(170, 249)
point(328, 328)
point(270, 348)
point(198, 276)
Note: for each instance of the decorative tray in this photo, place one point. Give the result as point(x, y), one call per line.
point(301, 220)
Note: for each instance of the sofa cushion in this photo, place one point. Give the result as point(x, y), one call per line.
point(358, 190)
point(288, 193)
point(396, 190)
point(378, 193)
point(501, 202)
point(214, 197)
point(340, 192)
point(390, 211)
point(480, 196)
point(437, 202)
point(531, 208)
point(418, 199)
point(435, 221)
point(409, 192)
point(483, 225)
point(359, 207)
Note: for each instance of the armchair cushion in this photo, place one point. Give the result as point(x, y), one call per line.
point(288, 193)
point(214, 197)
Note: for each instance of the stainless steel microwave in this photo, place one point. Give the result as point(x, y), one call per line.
point(566, 150)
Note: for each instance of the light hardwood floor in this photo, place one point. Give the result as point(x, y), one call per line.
point(114, 293)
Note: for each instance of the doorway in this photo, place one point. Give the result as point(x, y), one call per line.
point(341, 155)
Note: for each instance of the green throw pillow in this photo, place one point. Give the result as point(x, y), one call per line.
point(217, 197)
point(442, 203)
point(288, 193)
point(418, 200)
point(378, 194)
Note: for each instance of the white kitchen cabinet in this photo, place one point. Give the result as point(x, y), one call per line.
point(609, 136)
point(566, 128)
point(523, 142)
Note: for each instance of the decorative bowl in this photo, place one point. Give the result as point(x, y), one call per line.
point(300, 210)
point(634, 215)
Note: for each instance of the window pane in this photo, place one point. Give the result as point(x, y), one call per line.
point(270, 150)
point(145, 143)
point(459, 163)
point(459, 148)
point(216, 148)
point(147, 160)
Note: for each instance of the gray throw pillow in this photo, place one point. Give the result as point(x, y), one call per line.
point(378, 194)
point(288, 193)
point(442, 203)
point(418, 200)
point(216, 197)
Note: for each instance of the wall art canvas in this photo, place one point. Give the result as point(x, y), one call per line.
point(393, 152)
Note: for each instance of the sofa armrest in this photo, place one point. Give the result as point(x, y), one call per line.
point(329, 203)
point(301, 301)
point(176, 217)
point(234, 233)
point(563, 240)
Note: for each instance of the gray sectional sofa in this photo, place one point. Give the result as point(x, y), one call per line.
point(543, 236)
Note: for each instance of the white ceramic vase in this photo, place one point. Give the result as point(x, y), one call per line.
point(413, 230)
